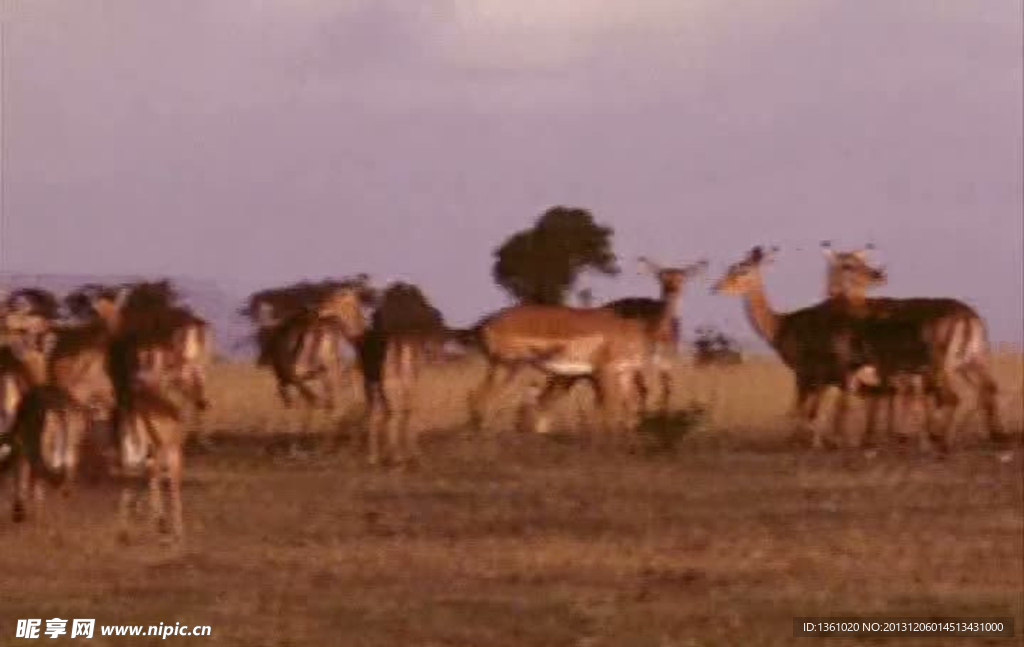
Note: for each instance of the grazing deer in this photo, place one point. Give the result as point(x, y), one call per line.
point(930, 342)
point(151, 452)
point(563, 342)
point(662, 324)
point(817, 343)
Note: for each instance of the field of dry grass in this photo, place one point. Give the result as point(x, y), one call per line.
point(517, 540)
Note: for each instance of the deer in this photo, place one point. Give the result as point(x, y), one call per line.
point(151, 451)
point(820, 343)
point(29, 314)
point(659, 316)
point(44, 441)
point(303, 347)
point(563, 342)
point(298, 332)
point(405, 333)
point(157, 338)
point(943, 339)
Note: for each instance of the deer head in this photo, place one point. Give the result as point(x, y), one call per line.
point(672, 279)
point(745, 275)
point(345, 305)
point(849, 273)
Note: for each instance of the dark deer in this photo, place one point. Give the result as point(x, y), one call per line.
point(819, 343)
point(934, 340)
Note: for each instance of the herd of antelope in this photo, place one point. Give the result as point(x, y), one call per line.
point(134, 359)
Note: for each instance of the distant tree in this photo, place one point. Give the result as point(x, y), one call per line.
point(541, 264)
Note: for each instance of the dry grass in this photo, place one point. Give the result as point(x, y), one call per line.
point(517, 540)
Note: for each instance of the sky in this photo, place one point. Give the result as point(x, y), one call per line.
point(254, 142)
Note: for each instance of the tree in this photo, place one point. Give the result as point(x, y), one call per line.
point(541, 264)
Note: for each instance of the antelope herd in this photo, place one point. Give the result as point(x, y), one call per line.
point(120, 364)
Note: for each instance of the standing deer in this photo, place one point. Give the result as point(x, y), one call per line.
point(563, 342)
point(942, 339)
point(819, 343)
point(45, 438)
point(405, 330)
point(151, 452)
point(662, 324)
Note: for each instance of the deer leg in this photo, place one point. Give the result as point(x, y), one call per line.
point(536, 406)
point(806, 407)
point(988, 398)
point(377, 416)
point(665, 374)
point(173, 468)
point(498, 377)
point(820, 411)
point(872, 403)
point(408, 446)
point(947, 401)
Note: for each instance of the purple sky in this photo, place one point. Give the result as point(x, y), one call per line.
point(255, 142)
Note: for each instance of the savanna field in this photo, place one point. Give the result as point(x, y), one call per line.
point(715, 529)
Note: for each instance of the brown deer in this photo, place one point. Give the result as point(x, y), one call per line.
point(563, 342)
point(659, 317)
point(29, 314)
point(157, 339)
point(151, 452)
point(303, 347)
point(943, 339)
point(44, 441)
point(298, 332)
point(819, 343)
point(405, 333)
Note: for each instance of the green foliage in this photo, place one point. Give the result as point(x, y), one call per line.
point(541, 264)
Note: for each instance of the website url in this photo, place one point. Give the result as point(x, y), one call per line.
point(85, 627)
point(161, 630)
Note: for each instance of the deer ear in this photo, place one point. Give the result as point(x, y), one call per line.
point(756, 255)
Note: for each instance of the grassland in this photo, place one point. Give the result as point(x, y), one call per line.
point(517, 540)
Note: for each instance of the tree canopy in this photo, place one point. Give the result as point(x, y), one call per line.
point(541, 264)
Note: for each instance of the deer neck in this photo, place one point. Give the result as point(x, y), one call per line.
point(759, 311)
point(669, 304)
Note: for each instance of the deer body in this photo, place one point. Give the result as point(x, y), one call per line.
point(567, 343)
point(151, 451)
point(820, 343)
point(934, 340)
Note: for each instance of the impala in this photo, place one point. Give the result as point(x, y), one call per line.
point(819, 343)
point(564, 342)
point(662, 324)
point(44, 440)
point(151, 452)
point(929, 343)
